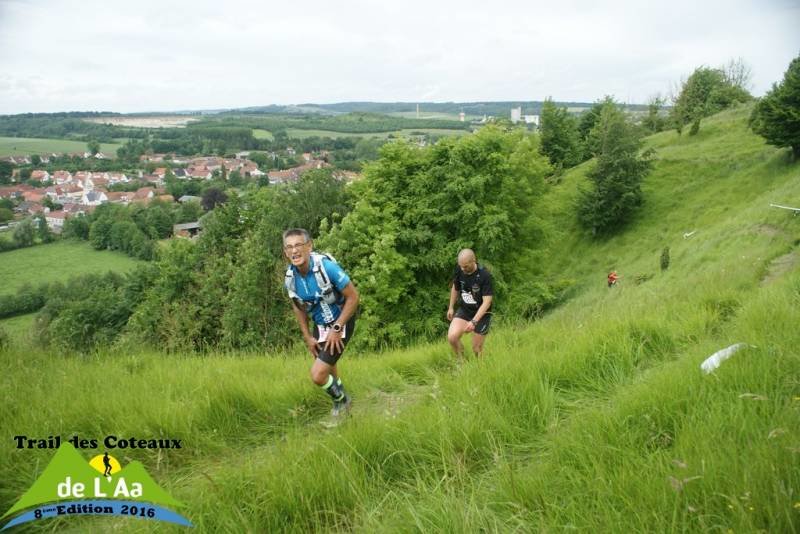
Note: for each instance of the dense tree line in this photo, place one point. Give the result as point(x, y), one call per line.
point(776, 116)
point(64, 126)
point(347, 123)
point(133, 229)
point(226, 290)
point(418, 207)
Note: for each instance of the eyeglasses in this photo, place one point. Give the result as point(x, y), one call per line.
point(298, 246)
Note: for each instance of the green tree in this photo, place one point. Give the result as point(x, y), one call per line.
point(235, 179)
point(42, 230)
point(588, 120)
point(776, 117)
point(24, 233)
point(158, 221)
point(615, 192)
point(705, 92)
point(93, 146)
point(559, 135)
point(655, 121)
point(6, 171)
point(48, 203)
point(76, 227)
point(416, 209)
point(100, 233)
point(36, 160)
point(6, 215)
point(212, 197)
point(188, 212)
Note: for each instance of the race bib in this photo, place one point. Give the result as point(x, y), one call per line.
point(325, 330)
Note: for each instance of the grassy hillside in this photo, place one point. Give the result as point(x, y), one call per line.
point(596, 418)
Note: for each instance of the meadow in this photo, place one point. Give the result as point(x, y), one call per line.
point(57, 261)
point(263, 134)
point(595, 418)
point(25, 146)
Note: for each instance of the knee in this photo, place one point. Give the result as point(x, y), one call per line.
point(319, 376)
point(453, 338)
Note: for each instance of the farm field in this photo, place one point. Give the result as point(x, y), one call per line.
point(25, 146)
point(57, 261)
point(297, 133)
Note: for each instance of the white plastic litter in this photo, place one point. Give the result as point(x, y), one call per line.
point(714, 361)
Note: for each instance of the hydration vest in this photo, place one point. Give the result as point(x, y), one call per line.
point(330, 295)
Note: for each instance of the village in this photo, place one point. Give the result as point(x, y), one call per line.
point(64, 194)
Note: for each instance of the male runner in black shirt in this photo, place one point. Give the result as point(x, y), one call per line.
point(472, 287)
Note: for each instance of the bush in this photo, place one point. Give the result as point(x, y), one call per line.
point(28, 299)
point(665, 259)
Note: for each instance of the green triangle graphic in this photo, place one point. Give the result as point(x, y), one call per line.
point(68, 462)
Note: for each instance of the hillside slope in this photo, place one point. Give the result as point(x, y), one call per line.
point(595, 418)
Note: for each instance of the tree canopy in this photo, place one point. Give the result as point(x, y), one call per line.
point(776, 117)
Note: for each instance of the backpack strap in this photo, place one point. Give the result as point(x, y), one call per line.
point(323, 280)
point(320, 275)
point(329, 291)
point(288, 282)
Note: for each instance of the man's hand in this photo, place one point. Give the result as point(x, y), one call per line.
point(334, 341)
point(450, 313)
point(311, 343)
point(470, 327)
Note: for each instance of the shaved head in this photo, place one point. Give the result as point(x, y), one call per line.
point(467, 261)
point(466, 254)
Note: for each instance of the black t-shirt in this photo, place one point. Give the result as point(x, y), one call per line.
point(472, 287)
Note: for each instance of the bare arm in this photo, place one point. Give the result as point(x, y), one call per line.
point(350, 294)
point(302, 320)
point(487, 301)
point(453, 299)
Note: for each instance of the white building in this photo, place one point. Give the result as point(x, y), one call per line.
point(531, 119)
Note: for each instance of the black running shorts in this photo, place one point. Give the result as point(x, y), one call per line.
point(332, 357)
point(482, 328)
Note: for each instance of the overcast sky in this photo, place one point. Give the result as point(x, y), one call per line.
point(162, 55)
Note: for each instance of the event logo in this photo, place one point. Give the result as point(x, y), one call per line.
point(70, 486)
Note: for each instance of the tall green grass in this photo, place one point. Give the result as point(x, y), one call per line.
point(596, 418)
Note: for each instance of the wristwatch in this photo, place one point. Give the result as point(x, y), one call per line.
point(337, 327)
point(474, 322)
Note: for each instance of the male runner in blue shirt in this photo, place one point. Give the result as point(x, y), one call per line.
point(332, 307)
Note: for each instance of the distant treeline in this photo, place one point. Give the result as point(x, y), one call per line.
point(215, 134)
point(357, 122)
point(65, 126)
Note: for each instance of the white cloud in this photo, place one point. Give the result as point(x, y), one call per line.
point(66, 55)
